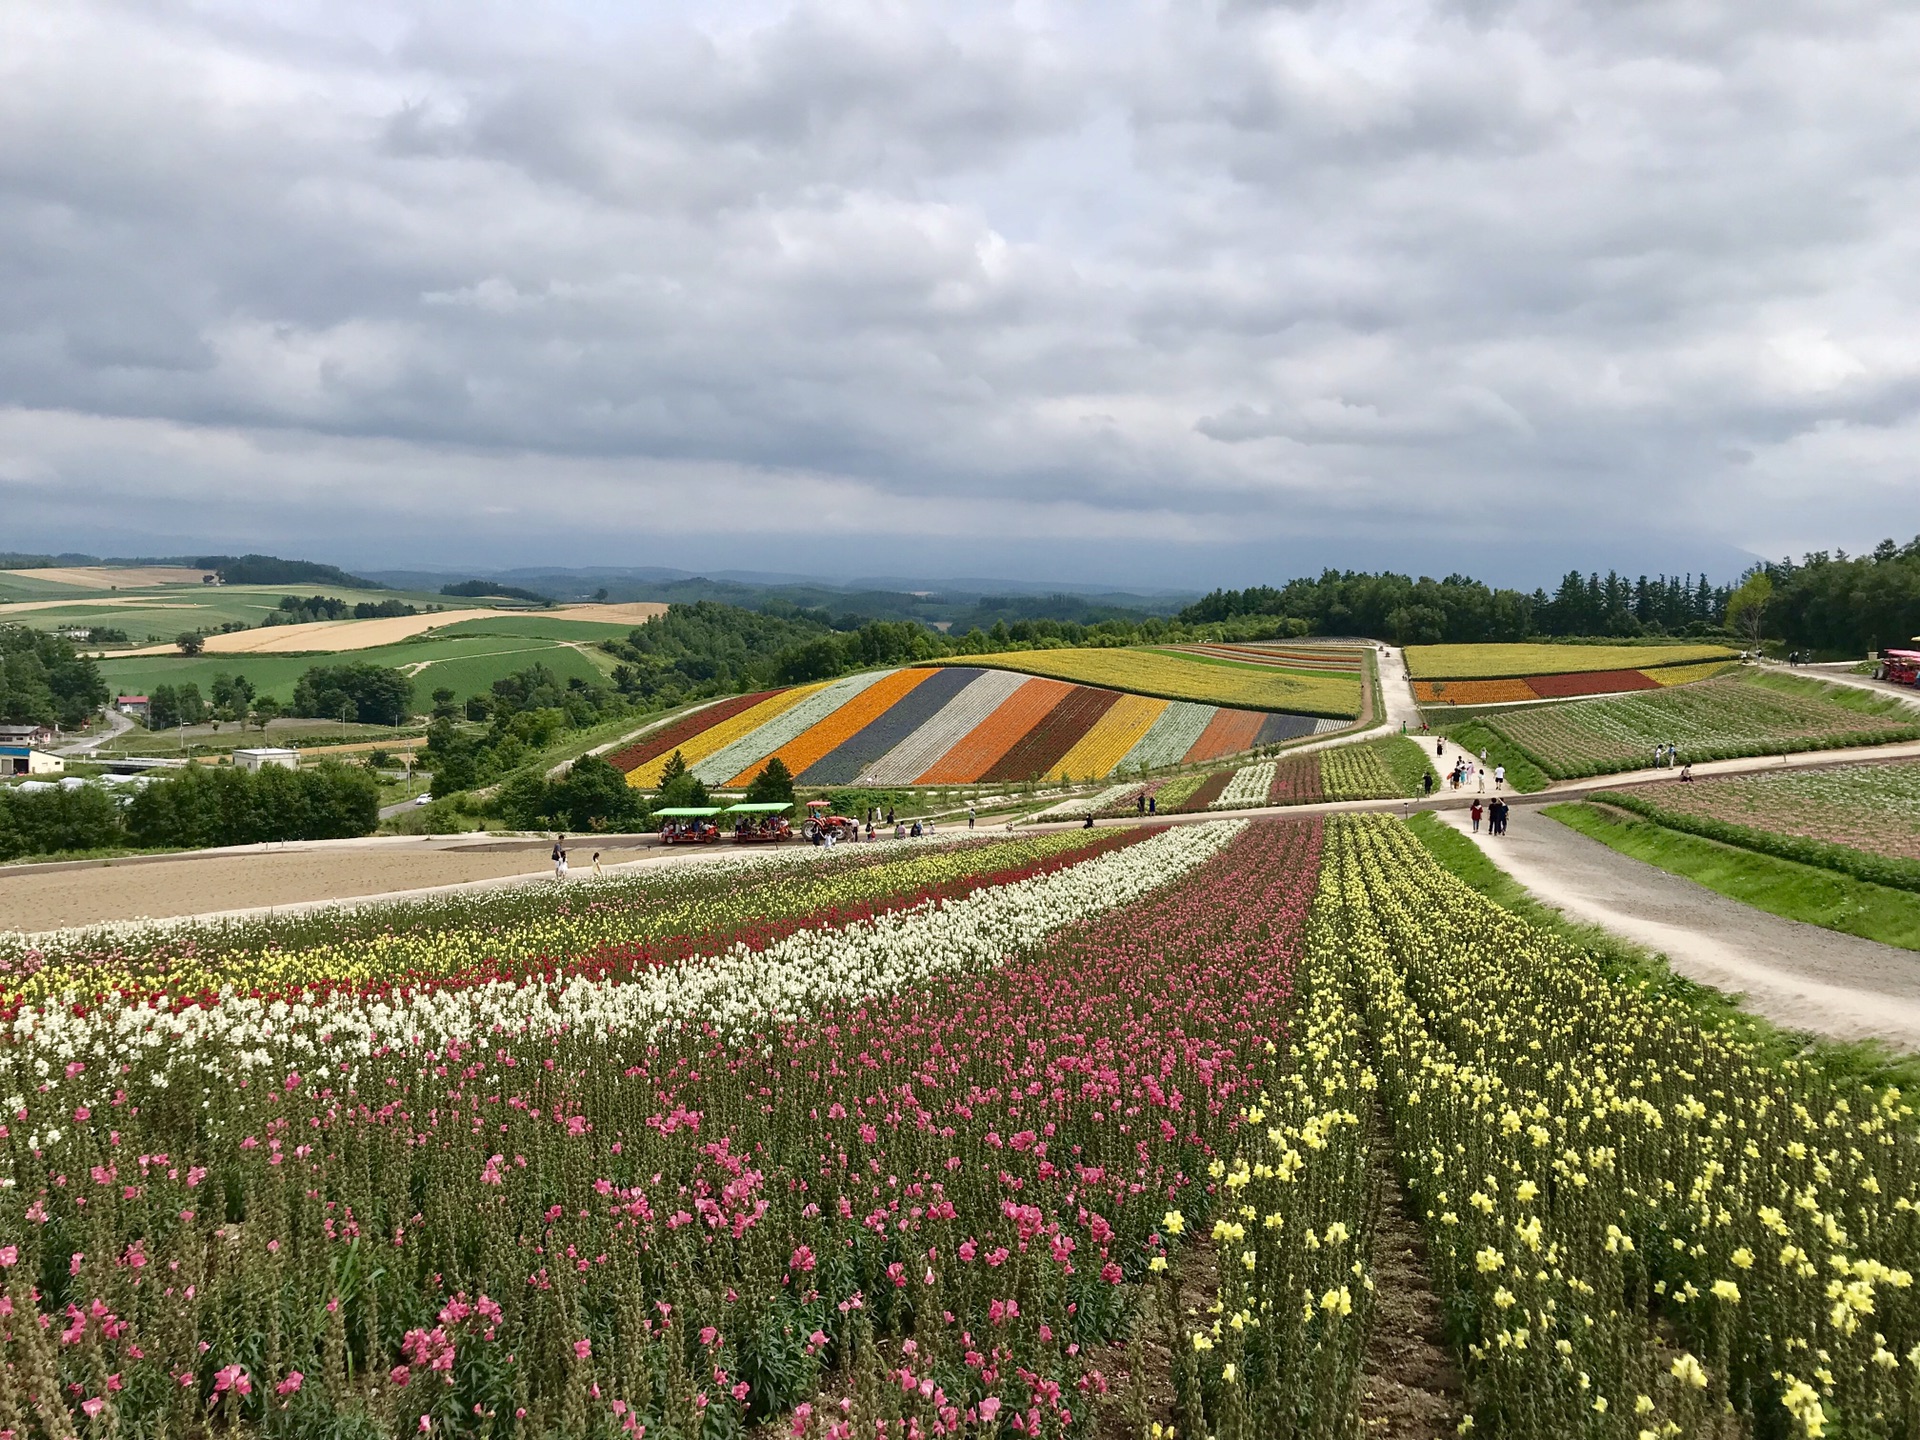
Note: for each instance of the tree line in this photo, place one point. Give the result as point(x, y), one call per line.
point(45, 681)
point(1839, 604)
point(1462, 610)
point(199, 806)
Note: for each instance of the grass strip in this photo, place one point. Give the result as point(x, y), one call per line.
point(1523, 773)
point(1780, 887)
point(1895, 872)
point(1625, 963)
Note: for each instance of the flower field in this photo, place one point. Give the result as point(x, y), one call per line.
point(1636, 1223)
point(1307, 659)
point(1239, 682)
point(1862, 820)
point(1713, 720)
point(1566, 686)
point(1384, 769)
point(1247, 788)
point(920, 1142)
point(1874, 807)
point(952, 725)
point(1505, 662)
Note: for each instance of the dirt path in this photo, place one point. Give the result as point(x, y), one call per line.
point(222, 882)
point(1796, 975)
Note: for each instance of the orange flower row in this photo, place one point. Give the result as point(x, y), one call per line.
point(825, 736)
point(994, 736)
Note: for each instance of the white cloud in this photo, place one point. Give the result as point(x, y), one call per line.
point(1218, 274)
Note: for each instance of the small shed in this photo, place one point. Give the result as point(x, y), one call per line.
point(26, 760)
point(259, 757)
point(135, 706)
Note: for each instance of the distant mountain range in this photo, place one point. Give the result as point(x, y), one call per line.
point(933, 602)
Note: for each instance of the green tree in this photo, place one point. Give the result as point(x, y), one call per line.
point(163, 708)
point(190, 643)
point(1747, 609)
point(775, 783)
point(372, 694)
point(49, 822)
point(679, 786)
point(231, 695)
point(221, 805)
point(44, 680)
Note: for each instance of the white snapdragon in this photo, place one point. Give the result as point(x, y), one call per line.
point(736, 992)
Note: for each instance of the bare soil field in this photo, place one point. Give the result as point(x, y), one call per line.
point(100, 577)
point(34, 899)
point(339, 635)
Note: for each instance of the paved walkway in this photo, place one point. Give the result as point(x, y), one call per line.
point(1797, 975)
point(1843, 675)
point(117, 725)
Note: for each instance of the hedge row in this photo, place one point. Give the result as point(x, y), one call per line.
point(1895, 871)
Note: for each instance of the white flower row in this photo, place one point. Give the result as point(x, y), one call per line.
point(736, 992)
point(782, 729)
point(1249, 787)
point(1093, 804)
point(944, 729)
point(1170, 737)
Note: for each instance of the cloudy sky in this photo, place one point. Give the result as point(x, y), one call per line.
point(1158, 293)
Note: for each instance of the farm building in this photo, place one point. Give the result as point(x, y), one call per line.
point(133, 706)
point(260, 757)
point(26, 734)
point(26, 760)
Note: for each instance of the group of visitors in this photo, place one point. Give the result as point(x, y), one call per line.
point(1495, 813)
point(1145, 804)
point(1465, 769)
point(1666, 757)
point(559, 858)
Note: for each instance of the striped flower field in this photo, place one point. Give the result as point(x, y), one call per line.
point(954, 725)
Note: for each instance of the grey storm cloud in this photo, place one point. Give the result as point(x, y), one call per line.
point(1182, 276)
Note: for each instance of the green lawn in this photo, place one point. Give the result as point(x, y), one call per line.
point(1780, 887)
point(1522, 774)
point(165, 611)
point(467, 663)
point(543, 627)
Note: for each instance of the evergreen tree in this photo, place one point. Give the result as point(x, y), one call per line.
point(775, 783)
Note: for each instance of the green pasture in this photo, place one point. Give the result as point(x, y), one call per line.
point(166, 610)
point(1782, 887)
point(468, 664)
point(542, 627)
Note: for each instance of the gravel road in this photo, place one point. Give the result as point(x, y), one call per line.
point(1796, 975)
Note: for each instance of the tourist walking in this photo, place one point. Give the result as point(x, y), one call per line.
point(1499, 776)
point(1475, 812)
point(969, 821)
point(559, 857)
point(596, 865)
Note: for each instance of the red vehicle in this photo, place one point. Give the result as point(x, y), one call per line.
point(688, 825)
point(1902, 667)
point(840, 827)
point(762, 832)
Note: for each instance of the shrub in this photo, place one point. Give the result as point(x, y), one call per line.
point(50, 822)
point(204, 805)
